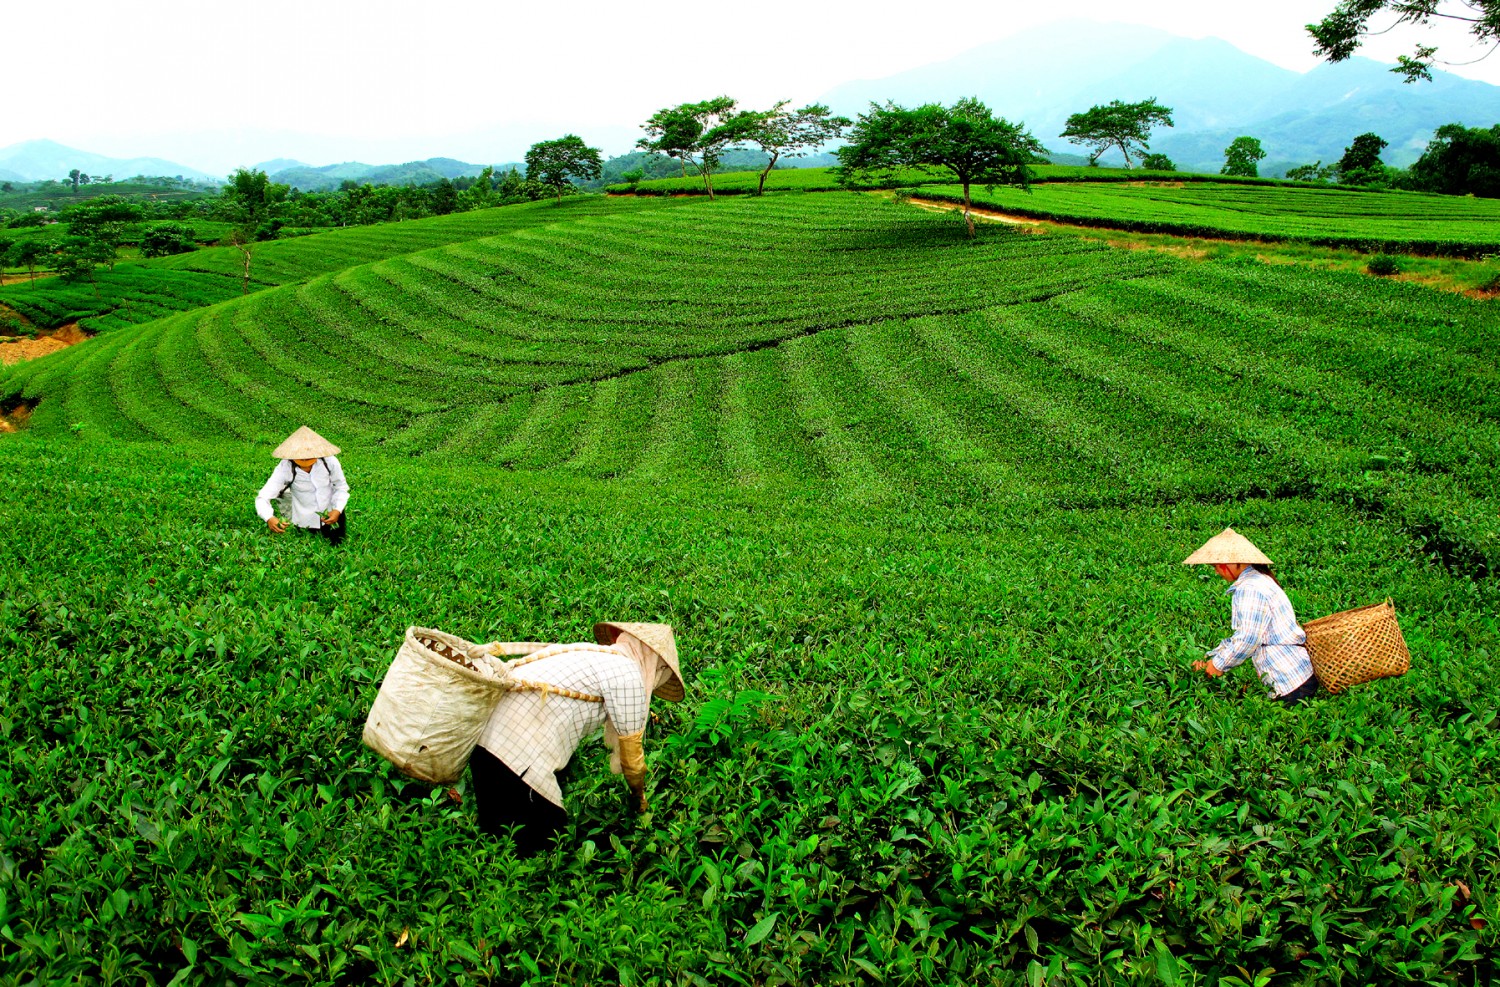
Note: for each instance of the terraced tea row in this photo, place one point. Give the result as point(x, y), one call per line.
point(1398, 222)
point(383, 345)
point(133, 293)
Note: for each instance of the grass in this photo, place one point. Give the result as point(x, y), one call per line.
point(914, 506)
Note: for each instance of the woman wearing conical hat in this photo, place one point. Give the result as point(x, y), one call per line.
point(1265, 628)
point(309, 487)
point(534, 732)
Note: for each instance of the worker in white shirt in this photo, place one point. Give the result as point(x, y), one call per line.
point(576, 689)
point(309, 487)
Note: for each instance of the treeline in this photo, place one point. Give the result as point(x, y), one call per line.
point(1458, 160)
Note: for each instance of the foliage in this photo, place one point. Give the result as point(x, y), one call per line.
point(1362, 153)
point(556, 163)
point(697, 134)
point(1125, 126)
point(1460, 160)
point(1384, 264)
point(1242, 156)
point(780, 132)
point(1340, 34)
point(965, 139)
point(28, 254)
point(166, 239)
point(918, 539)
point(77, 257)
point(250, 199)
point(1157, 162)
point(1316, 172)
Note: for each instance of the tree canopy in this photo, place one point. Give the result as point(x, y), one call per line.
point(1340, 34)
point(695, 133)
point(1460, 160)
point(556, 163)
point(781, 132)
point(966, 138)
point(1242, 156)
point(1126, 126)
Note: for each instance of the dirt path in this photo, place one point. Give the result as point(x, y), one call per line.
point(14, 351)
point(942, 205)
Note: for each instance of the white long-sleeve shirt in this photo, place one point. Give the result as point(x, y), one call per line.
point(314, 492)
point(535, 734)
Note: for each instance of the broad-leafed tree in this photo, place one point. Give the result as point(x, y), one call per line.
point(694, 133)
point(1242, 157)
point(556, 163)
point(1126, 126)
point(966, 138)
point(783, 133)
point(1340, 34)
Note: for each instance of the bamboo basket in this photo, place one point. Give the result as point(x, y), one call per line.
point(1356, 646)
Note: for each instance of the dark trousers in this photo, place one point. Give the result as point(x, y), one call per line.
point(505, 802)
point(334, 534)
point(1301, 694)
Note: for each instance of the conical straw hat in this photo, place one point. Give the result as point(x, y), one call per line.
point(657, 637)
point(305, 444)
point(1228, 547)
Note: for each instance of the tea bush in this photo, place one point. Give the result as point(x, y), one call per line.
point(914, 506)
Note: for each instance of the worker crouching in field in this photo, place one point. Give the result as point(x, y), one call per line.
point(309, 487)
point(534, 732)
point(1265, 628)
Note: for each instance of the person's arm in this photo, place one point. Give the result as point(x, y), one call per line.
point(273, 488)
point(627, 707)
point(339, 485)
point(1252, 621)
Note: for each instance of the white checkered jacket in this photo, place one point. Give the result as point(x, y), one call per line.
point(536, 733)
point(1265, 631)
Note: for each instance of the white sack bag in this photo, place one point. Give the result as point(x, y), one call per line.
point(430, 710)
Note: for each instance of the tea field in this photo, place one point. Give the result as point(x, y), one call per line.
point(914, 505)
point(1374, 221)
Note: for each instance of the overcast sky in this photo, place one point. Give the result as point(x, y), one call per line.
point(216, 85)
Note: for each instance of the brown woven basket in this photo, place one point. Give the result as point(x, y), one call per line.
point(1357, 646)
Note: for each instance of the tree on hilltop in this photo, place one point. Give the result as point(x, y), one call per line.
point(1242, 156)
point(556, 163)
point(966, 138)
point(1340, 34)
point(1126, 126)
point(694, 133)
point(781, 132)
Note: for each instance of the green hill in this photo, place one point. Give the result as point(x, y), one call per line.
point(914, 505)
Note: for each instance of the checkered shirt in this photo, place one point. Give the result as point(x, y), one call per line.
point(1265, 631)
point(535, 733)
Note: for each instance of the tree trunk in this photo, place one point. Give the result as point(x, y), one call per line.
point(1126, 151)
point(708, 180)
point(769, 165)
point(968, 219)
point(245, 285)
point(683, 161)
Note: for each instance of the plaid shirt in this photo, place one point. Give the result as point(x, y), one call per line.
point(1265, 631)
point(535, 734)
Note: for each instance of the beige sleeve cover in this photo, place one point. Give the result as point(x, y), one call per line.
point(633, 760)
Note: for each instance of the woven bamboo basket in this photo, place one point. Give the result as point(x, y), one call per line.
point(1356, 646)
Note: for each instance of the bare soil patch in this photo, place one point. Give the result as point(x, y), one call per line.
point(16, 350)
point(939, 205)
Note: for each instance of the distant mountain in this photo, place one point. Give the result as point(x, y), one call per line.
point(278, 164)
point(320, 179)
point(38, 160)
point(1216, 91)
point(11, 176)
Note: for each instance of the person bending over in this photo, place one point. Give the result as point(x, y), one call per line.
point(1265, 628)
point(573, 690)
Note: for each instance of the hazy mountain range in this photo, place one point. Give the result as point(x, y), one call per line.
point(1040, 76)
point(1216, 91)
point(34, 161)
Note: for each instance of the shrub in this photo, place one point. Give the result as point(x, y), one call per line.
point(1384, 265)
point(1158, 162)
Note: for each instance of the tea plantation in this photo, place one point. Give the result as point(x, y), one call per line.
point(914, 505)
